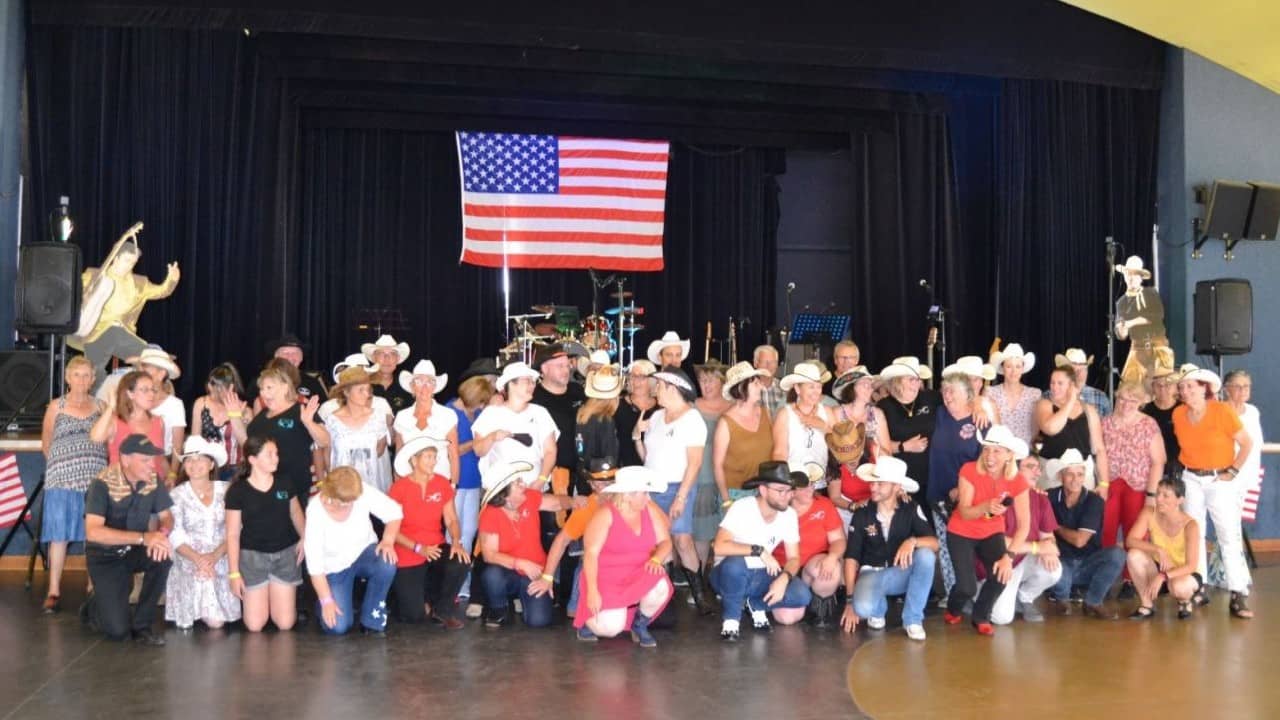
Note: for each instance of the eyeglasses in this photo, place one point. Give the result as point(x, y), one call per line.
point(1235, 386)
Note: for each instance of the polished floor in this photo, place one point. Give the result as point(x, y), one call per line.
point(1207, 667)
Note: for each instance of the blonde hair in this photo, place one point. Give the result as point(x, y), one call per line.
point(596, 407)
point(475, 391)
point(1011, 467)
point(76, 362)
point(1133, 389)
point(281, 371)
point(342, 484)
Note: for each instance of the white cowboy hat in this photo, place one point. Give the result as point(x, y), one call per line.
point(156, 357)
point(813, 472)
point(597, 358)
point(668, 339)
point(424, 367)
point(637, 478)
point(804, 372)
point(386, 342)
point(1072, 356)
point(500, 475)
point(888, 469)
point(514, 371)
point(1134, 265)
point(906, 366)
point(196, 445)
point(1204, 375)
point(1070, 458)
point(352, 360)
point(1013, 351)
point(603, 383)
point(739, 373)
point(1002, 436)
point(970, 366)
point(676, 377)
point(404, 457)
point(643, 368)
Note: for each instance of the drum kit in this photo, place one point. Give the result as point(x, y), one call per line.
point(612, 331)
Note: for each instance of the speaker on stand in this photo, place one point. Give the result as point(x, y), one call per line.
point(1223, 318)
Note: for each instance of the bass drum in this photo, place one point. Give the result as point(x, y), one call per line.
point(597, 334)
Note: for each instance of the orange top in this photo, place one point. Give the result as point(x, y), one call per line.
point(1209, 444)
point(576, 526)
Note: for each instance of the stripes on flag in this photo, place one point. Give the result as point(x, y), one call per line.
point(12, 497)
point(1251, 497)
point(548, 201)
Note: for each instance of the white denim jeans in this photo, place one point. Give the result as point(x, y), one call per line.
point(1030, 578)
point(1222, 501)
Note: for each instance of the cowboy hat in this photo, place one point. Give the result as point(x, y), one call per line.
point(1002, 436)
point(543, 353)
point(673, 375)
point(599, 469)
point(386, 342)
point(713, 366)
point(1072, 356)
point(1204, 375)
point(499, 475)
point(804, 372)
point(906, 366)
point(739, 373)
point(970, 366)
point(668, 339)
point(352, 376)
point(515, 371)
point(888, 469)
point(404, 457)
point(195, 445)
point(479, 368)
point(637, 478)
point(154, 356)
point(847, 441)
point(603, 384)
point(1070, 458)
point(848, 379)
point(772, 472)
point(286, 340)
point(1013, 351)
point(807, 474)
point(424, 367)
point(596, 359)
point(1133, 265)
point(352, 360)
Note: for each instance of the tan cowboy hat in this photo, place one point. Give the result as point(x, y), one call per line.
point(1072, 356)
point(1070, 458)
point(500, 475)
point(1013, 351)
point(739, 373)
point(804, 372)
point(596, 359)
point(906, 366)
point(847, 441)
point(888, 469)
point(196, 445)
point(807, 474)
point(347, 378)
point(427, 368)
point(1134, 266)
point(156, 357)
point(404, 458)
point(386, 342)
point(668, 339)
point(970, 366)
point(603, 383)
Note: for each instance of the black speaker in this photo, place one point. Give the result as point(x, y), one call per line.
point(24, 387)
point(1224, 317)
point(1227, 212)
point(49, 288)
point(1264, 220)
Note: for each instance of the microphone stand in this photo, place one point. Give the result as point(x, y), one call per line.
point(1111, 317)
point(786, 330)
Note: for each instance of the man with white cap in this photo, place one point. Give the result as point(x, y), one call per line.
point(517, 429)
point(1140, 320)
point(1079, 362)
point(891, 550)
point(669, 350)
point(386, 354)
point(1079, 513)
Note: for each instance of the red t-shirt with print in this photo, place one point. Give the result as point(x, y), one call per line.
point(820, 519)
point(521, 538)
point(423, 515)
point(985, 488)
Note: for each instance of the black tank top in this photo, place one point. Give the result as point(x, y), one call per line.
point(1075, 434)
point(905, 422)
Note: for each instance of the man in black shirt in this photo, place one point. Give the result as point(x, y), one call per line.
point(1164, 390)
point(561, 397)
point(1084, 560)
point(891, 550)
point(289, 347)
point(118, 507)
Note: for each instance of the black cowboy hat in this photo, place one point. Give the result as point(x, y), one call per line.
point(479, 367)
point(543, 353)
point(599, 468)
point(775, 472)
point(286, 340)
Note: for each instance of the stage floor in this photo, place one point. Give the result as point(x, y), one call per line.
point(1206, 667)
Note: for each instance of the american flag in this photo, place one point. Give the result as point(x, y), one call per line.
point(550, 201)
point(12, 497)
point(1251, 496)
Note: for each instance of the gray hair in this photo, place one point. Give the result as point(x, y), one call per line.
point(764, 349)
point(959, 382)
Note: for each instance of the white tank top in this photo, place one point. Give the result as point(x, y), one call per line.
point(806, 444)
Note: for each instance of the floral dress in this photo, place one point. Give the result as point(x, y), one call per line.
point(189, 597)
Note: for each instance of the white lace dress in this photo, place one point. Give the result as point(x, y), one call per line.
point(188, 597)
point(358, 447)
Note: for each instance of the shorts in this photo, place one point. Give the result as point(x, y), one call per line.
point(259, 568)
point(682, 525)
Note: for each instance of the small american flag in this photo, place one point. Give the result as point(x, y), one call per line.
point(12, 497)
point(550, 201)
point(1251, 497)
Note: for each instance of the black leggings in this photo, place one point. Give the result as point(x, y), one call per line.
point(436, 582)
point(988, 549)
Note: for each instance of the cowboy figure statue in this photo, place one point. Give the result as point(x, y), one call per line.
point(1140, 319)
point(113, 300)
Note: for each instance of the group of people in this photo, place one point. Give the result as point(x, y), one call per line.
point(772, 496)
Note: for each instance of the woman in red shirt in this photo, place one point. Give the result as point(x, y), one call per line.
point(988, 488)
point(821, 549)
point(511, 541)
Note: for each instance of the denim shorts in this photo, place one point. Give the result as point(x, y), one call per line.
point(259, 568)
point(684, 524)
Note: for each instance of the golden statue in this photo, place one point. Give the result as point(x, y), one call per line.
point(113, 300)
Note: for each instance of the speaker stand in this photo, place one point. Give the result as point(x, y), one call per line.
point(33, 534)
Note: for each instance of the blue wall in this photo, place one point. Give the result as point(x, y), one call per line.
point(1217, 124)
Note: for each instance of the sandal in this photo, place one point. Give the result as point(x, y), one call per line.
point(1184, 609)
point(1142, 613)
point(1239, 607)
point(52, 604)
point(1201, 598)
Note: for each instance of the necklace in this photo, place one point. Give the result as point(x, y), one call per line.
point(910, 410)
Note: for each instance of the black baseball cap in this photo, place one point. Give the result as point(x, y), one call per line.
point(139, 444)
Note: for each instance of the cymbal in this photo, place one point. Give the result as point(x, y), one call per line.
point(624, 310)
point(624, 295)
point(631, 328)
point(543, 308)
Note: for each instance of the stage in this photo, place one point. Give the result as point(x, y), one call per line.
point(1210, 666)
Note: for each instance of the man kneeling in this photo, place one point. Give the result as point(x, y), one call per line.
point(891, 550)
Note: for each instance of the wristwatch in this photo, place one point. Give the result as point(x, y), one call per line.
point(757, 550)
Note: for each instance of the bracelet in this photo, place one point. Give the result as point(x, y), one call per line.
point(725, 505)
point(326, 601)
point(417, 548)
point(547, 578)
point(1150, 494)
point(655, 561)
point(233, 576)
point(235, 415)
point(1104, 485)
point(1035, 548)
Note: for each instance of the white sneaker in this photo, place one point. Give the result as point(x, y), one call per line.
point(875, 623)
point(760, 620)
point(474, 611)
point(915, 632)
point(519, 606)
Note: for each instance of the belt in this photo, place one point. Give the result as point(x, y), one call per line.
point(1202, 473)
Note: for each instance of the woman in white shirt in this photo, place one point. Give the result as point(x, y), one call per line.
point(800, 430)
point(426, 417)
point(340, 546)
point(356, 434)
point(518, 430)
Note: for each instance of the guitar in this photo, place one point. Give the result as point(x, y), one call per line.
point(99, 290)
point(733, 343)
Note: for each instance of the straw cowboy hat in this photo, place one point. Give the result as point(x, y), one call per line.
point(1205, 375)
point(156, 357)
point(1133, 266)
point(804, 372)
point(603, 383)
point(675, 376)
point(1072, 356)
point(424, 367)
point(906, 366)
point(806, 474)
point(352, 360)
point(970, 366)
point(1013, 351)
point(1070, 458)
point(1002, 436)
point(737, 374)
point(500, 475)
point(848, 379)
point(347, 378)
point(515, 371)
point(668, 339)
point(386, 342)
point(847, 441)
point(195, 445)
point(888, 469)
point(637, 478)
point(404, 458)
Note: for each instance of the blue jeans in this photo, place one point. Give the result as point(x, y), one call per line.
point(738, 584)
point(501, 584)
point(467, 502)
point(1098, 571)
point(870, 594)
point(573, 593)
point(373, 611)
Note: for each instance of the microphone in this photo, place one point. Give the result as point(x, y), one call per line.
point(791, 287)
point(925, 284)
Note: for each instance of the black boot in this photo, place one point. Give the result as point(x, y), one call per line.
point(698, 591)
point(821, 610)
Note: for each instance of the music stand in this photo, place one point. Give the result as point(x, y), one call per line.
point(814, 328)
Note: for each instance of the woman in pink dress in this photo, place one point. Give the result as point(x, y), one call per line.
point(626, 544)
